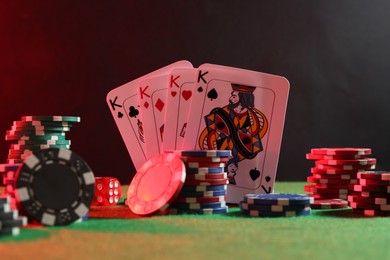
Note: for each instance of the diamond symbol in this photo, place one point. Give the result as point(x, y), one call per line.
point(159, 105)
point(146, 104)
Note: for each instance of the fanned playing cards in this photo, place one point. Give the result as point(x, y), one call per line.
point(212, 107)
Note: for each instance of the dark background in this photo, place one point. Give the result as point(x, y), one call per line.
point(63, 57)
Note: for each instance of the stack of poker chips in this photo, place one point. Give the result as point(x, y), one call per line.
point(276, 205)
point(205, 187)
point(335, 170)
point(371, 195)
point(10, 221)
point(8, 172)
point(34, 133)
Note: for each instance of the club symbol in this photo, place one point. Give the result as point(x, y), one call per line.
point(120, 115)
point(133, 112)
point(212, 94)
point(200, 89)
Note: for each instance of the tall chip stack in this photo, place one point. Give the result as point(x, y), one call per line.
point(10, 221)
point(205, 187)
point(31, 134)
point(371, 195)
point(335, 170)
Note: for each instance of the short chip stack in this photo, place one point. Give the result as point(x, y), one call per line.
point(276, 205)
point(8, 172)
point(33, 133)
point(372, 194)
point(10, 221)
point(335, 170)
point(205, 187)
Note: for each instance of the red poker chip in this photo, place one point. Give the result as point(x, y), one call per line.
point(310, 156)
point(205, 165)
point(331, 186)
point(368, 182)
point(315, 189)
point(347, 167)
point(356, 205)
point(341, 151)
point(372, 212)
point(334, 171)
point(329, 204)
point(375, 175)
point(335, 176)
point(206, 182)
point(366, 161)
point(371, 188)
point(331, 181)
point(156, 184)
point(200, 199)
point(368, 200)
point(206, 177)
point(328, 196)
point(374, 194)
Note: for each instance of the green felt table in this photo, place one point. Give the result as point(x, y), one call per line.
point(326, 234)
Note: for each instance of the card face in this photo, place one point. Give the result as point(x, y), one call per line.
point(242, 111)
point(123, 104)
point(153, 102)
point(179, 100)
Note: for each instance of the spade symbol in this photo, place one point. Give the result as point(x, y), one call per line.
point(120, 115)
point(254, 173)
point(200, 89)
point(212, 94)
point(267, 178)
point(133, 112)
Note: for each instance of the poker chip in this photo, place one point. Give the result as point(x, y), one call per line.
point(207, 211)
point(369, 200)
point(358, 205)
point(211, 182)
point(205, 165)
point(277, 199)
point(333, 171)
point(206, 176)
point(203, 188)
point(201, 199)
point(328, 196)
point(205, 153)
point(205, 159)
point(52, 118)
point(371, 188)
point(44, 142)
point(316, 189)
point(372, 213)
point(351, 163)
point(55, 186)
point(205, 205)
point(310, 156)
point(41, 128)
point(375, 175)
point(13, 231)
point(273, 208)
point(10, 221)
point(335, 176)
point(344, 167)
point(341, 151)
point(156, 184)
point(184, 194)
point(366, 182)
point(374, 194)
point(331, 181)
point(204, 170)
point(37, 147)
point(329, 204)
point(290, 213)
point(37, 123)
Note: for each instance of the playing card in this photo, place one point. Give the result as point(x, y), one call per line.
point(152, 99)
point(242, 111)
point(179, 100)
point(123, 104)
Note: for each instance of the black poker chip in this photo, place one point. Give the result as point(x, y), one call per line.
point(55, 186)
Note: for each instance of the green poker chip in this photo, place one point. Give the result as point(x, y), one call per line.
point(37, 147)
point(52, 118)
point(40, 128)
point(54, 137)
point(39, 142)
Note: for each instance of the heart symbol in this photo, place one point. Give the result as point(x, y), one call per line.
point(186, 94)
point(173, 93)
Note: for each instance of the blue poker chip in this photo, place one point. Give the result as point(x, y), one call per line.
point(278, 199)
point(289, 213)
point(206, 153)
point(203, 188)
point(208, 211)
point(273, 208)
point(210, 205)
point(205, 170)
point(184, 194)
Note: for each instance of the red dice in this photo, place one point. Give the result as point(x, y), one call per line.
point(107, 191)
